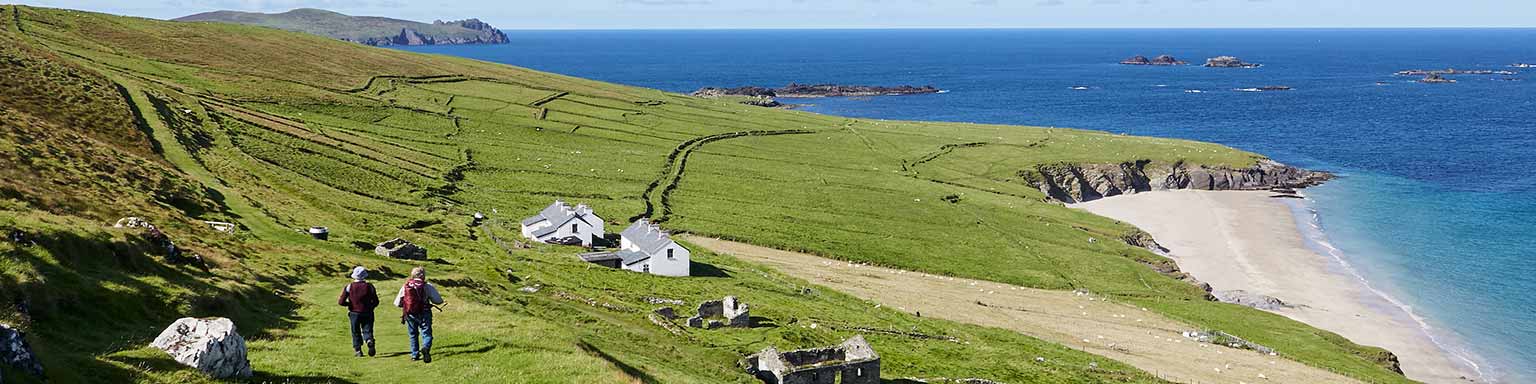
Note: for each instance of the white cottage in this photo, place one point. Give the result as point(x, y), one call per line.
point(560, 220)
point(644, 247)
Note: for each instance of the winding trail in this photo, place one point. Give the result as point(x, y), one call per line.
point(1085, 322)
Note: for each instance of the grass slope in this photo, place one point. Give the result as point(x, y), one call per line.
point(181, 122)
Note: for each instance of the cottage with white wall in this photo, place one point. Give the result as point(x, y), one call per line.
point(560, 220)
point(644, 247)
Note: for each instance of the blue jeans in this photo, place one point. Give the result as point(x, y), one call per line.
point(362, 328)
point(419, 325)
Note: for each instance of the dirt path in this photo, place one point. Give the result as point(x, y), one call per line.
point(1085, 322)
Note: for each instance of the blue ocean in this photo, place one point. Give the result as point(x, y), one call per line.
point(1435, 205)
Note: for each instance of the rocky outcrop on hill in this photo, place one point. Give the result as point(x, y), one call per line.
point(211, 345)
point(17, 353)
point(1074, 183)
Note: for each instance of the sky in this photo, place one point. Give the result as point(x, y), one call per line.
point(743, 14)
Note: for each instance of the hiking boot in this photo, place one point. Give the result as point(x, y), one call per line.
point(426, 356)
point(371, 351)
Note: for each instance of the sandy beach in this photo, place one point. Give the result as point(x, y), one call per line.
point(1250, 241)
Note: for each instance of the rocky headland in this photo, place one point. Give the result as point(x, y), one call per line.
point(1160, 60)
point(1436, 78)
point(1229, 62)
point(1075, 183)
point(377, 31)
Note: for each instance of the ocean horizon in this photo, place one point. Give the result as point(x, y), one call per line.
point(1432, 206)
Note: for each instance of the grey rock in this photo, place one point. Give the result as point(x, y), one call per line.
point(1245, 298)
point(211, 345)
point(17, 353)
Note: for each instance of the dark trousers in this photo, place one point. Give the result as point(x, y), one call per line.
point(362, 328)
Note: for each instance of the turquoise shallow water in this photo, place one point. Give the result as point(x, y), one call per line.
point(1434, 207)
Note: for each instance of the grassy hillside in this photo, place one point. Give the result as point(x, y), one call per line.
point(362, 29)
point(111, 116)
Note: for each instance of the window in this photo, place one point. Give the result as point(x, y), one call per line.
point(573, 229)
point(669, 254)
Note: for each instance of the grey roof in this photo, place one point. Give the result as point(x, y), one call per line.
point(599, 256)
point(545, 231)
point(557, 213)
point(631, 257)
point(649, 237)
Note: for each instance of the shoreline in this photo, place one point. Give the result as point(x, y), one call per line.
point(1245, 240)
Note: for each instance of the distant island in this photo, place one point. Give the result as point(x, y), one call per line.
point(1453, 71)
point(1229, 62)
point(378, 31)
point(1160, 60)
point(1267, 88)
point(794, 90)
point(1435, 78)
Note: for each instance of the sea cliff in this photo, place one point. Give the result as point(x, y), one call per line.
point(1075, 183)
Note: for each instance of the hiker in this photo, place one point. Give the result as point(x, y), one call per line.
point(360, 299)
point(416, 299)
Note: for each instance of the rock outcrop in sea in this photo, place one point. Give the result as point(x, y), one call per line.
point(1159, 60)
point(1229, 62)
point(1075, 183)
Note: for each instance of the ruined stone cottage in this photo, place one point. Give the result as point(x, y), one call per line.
point(852, 362)
point(729, 312)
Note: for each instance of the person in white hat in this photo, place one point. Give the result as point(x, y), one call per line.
point(360, 299)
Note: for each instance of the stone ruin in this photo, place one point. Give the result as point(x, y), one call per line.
point(732, 311)
point(211, 345)
point(400, 249)
point(852, 362)
point(17, 353)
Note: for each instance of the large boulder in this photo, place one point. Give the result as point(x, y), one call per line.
point(210, 345)
point(15, 351)
point(400, 249)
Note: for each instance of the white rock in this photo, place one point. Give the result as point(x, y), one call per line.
point(211, 345)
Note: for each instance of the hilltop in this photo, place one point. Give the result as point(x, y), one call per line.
point(106, 117)
point(363, 29)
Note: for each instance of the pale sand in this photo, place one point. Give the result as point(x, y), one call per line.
point(1250, 241)
point(1118, 331)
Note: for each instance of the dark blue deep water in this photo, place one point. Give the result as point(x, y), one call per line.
point(1436, 205)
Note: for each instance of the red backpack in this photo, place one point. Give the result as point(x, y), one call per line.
point(415, 300)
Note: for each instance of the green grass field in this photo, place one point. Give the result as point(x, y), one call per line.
point(108, 116)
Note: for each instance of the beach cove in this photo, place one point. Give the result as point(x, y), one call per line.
point(1250, 241)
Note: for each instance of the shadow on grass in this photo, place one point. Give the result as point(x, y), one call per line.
point(166, 364)
point(629, 370)
point(125, 295)
point(698, 269)
point(763, 322)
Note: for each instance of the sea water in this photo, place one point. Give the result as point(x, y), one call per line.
point(1434, 207)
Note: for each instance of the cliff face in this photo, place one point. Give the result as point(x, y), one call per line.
point(368, 30)
point(1074, 183)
